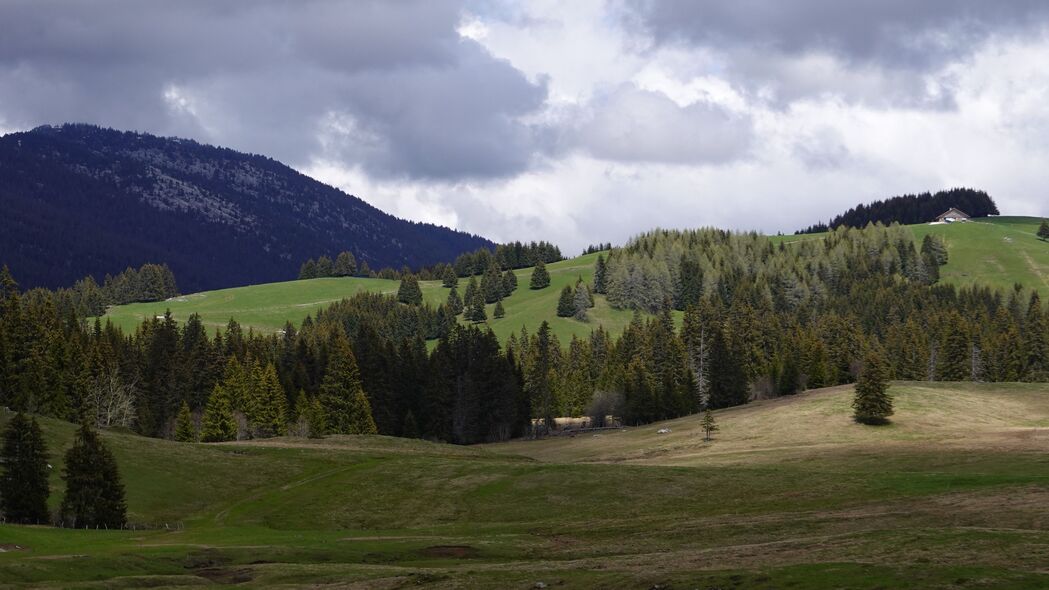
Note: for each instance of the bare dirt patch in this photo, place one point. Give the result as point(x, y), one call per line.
point(8, 547)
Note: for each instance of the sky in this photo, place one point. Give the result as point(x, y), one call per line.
point(575, 122)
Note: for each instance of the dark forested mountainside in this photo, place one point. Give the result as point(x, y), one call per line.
point(911, 209)
point(82, 200)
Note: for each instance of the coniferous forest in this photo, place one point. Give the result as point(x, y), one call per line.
point(759, 320)
point(911, 209)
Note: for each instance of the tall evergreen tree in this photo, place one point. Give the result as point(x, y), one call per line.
point(325, 268)
point(540, 277)
point(499, 312)
point(24, 485)
point(94, 492)
point(566, 303)
point(449, 279)
point(267, 405)
point(308, 270)
point(509, 283)
point(600, 275)
point(581, 302)
point(218, 424)
point(728, 379)
point(475, 311)
point(346, 406)
point(409, 291)
point(872, 403)
point(185, 431)
point(1043, 230)
point(454, 303)
point(345, 265)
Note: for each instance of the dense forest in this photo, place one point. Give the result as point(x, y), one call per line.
point(759, 320)
point(911, 209)
point(98, 199)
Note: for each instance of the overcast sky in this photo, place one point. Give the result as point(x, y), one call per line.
point(576, 122)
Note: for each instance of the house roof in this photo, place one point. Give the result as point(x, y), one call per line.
point(953, 212)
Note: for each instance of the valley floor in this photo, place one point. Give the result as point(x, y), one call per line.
point(789, 494)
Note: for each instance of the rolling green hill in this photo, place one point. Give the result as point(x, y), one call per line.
point(997, 252)
point(789, 494)
point(267, 307)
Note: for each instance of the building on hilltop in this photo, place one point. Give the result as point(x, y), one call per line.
point(951, 215)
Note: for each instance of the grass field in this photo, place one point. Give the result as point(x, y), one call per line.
point(267, 307)
point(997, 252)
point(790, 494)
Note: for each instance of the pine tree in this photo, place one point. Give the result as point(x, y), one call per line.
point(1036, 342)
point(345, 265)
point(23, 483)
point(708, 424)
point(325, 268)
point(454, 303)
point(1043, 230)
point(509, 283)
point(94, 493)
point(492, 284)
point(345, 404)
point(499, 312)
point(409, 292)
point(318, 419)
point(872, 404)
point(449, 279)
point(308, 270)
point(184, 428)
point(728, 380)
point(600, 275)
point(217, 424)
point(475, 311)
point(581, 303)
point(267, 405)
point(540, 277)
point(566, 304)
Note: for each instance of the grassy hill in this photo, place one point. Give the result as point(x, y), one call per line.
point(267, 307)
point(997, 252)
point(790, 494)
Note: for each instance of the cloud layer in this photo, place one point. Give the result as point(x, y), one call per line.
point(577, 122)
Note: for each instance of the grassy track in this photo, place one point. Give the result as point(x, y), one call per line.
point(790, 494)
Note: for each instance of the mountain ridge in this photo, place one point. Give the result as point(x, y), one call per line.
point(83, 199)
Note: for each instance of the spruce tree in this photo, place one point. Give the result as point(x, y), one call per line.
point(540, 277)
point(325, 268)
point(267, 405)
point(409, 291)
point(600, 275)
point(449, 279)
point(872, 403)
point(318, 419)
point(581, 303)
point(509, 283)
point(499, 312)
point(566, 304)
point(23, 482)
point(94, 495)
point(308, 270)
point(1043, 230)
point(492, 284)
point(184, 428)
point(475, 311)
point(345, 404)
point(345, 265)
point(217, 424)
point(728, 384)
point(708, 424)
point(454, 303)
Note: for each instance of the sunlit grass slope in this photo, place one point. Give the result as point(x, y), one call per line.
point(789, 494)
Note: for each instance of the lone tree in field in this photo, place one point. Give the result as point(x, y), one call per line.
point(708, 424)
point(872, 404)
point(540, 278)
point(23, 483)
point(409, 292)
point(499, 312)
point(94, 493)
point(184, 429)
point(1043, 230)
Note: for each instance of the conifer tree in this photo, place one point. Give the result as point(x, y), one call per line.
point(581, 303)
point(409, 291)
point(600, 275)
point(449, 279)
point(492, 284)
point(94, 492)
point(728, 380)
point(708, 424)
point(509, 283)
point(345, 265)
point(217, 424)
point(184, 428)
point(1043, 230)
point(566, 304)
point(499, 312)
point(872, 403)
point(301, 426)
point(318, 419)
point(540, 277)
point(475, 311)
point(267, 405)
point(1036, 342)
point(24, 485)
point(454, 303)
point(325, 268)
point(308, 270)
point(345, 404)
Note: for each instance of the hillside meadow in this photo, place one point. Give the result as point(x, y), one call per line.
point(789, 494)
point(998, 252)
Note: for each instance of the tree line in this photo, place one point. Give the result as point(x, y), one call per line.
point(910, 209)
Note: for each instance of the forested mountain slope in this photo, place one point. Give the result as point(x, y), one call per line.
point(79, 200)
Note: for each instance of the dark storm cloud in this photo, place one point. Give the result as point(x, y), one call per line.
point(885, 46)
point(273, 77)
